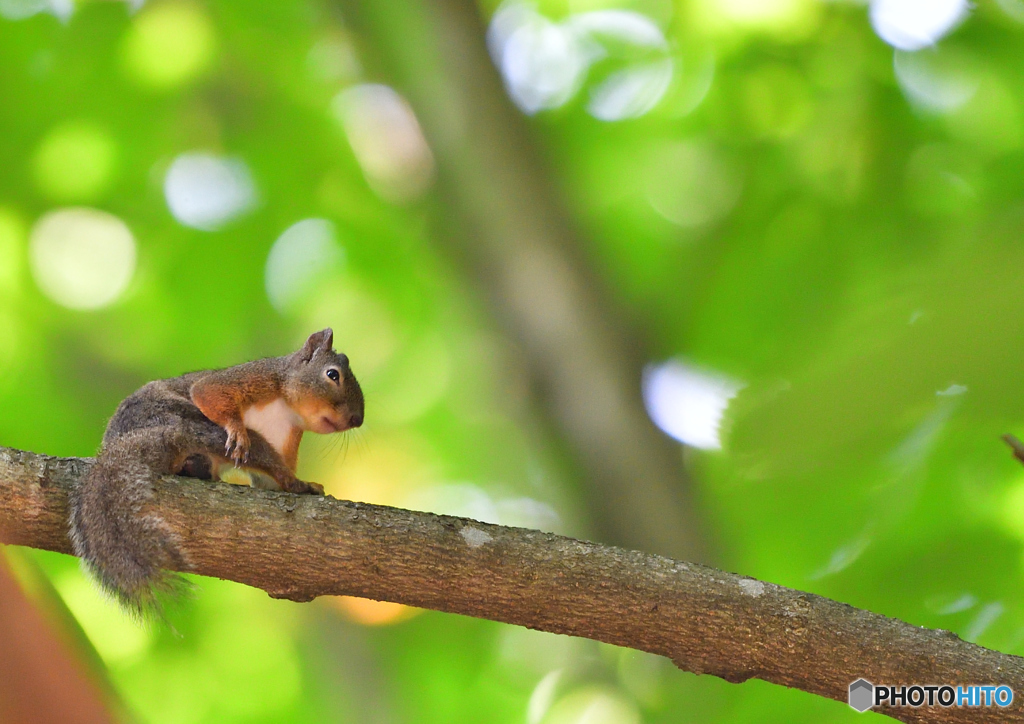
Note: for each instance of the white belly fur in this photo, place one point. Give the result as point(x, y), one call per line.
point(275, 421)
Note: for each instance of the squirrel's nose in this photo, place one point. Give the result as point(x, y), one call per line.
point(355, 420)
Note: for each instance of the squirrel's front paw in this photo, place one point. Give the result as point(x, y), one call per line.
point(237, 446)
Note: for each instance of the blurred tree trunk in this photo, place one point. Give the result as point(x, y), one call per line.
point(507, 223)
point(41, 681)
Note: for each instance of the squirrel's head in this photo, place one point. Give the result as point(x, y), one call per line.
point(322, 389)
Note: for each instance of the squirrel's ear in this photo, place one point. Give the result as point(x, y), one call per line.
point(324, 339)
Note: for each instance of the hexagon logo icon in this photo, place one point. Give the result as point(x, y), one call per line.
point(862, 694)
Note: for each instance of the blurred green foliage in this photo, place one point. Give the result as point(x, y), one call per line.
point(833, 224)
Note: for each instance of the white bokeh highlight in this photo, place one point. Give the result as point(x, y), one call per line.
point(82, 258)
point(916, 24)
point(935, 81)
point(307, 251)
point(590, 704)
point(468, 500)
point(542, 64)
point(21, 9)
point(205, 191)
point(1014, 9)
point(545, 63)
point(386, 139)
point(632, 92)
point(688, 403)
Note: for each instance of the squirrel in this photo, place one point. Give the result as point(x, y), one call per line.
point(210, 425)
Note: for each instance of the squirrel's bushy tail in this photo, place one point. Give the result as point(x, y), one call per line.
point(122, 542)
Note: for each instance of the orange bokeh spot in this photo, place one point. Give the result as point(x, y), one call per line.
point(373, 613)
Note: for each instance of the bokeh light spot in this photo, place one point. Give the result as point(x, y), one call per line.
point(641, 84)
point(939, 81)
point(991, 119)
point(386, 139)
point(632, 92)
point(691, 183)
point(1013, 9)
point(373, 613)
point(593, 705)
point(543, 696)
point(916, 24)
point(205, 192)
point(460, 499)
point(385, 473)
point(783, 18)
point(306, 252)
point(687, 403)
point(1010, 510)
point(528, 513)
point(642, 674)
point(691, 85)
point(987, 616)
point(539, 653)
point(169, 44)
point(947, 604)
point(75, 161)
point(82, 258)
point(21, 9)
point(545, 63)
point(333, 59)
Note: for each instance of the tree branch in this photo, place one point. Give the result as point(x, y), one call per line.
point(707, 621)
point(1016, 445)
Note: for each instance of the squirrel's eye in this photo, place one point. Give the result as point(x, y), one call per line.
point(333, 375)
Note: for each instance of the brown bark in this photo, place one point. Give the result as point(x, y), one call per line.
point(1016, 445)
point(707, 621)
